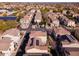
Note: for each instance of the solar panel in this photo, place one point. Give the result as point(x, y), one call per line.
point(72, 37)
point(69, 38)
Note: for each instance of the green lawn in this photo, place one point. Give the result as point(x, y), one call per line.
point(4, 25)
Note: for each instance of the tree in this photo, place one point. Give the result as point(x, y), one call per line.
point(68, 12)
point(45, 10)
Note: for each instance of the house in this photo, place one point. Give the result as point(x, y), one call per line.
point(71, 48)
point(13, 34)
point(71, 23)
point(38, 17)
point(68, 22)
point(74, 15)
point(70, 12)
point(37, 43)
point(42, 36)
point(69, 42)
point(24, 23)
point(6, 47)
point(55, 22)
point(53, 19)
point(60, 31)
point(26, 20)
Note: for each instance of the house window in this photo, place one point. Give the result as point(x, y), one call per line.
point(37, 42)
point(32, 39)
